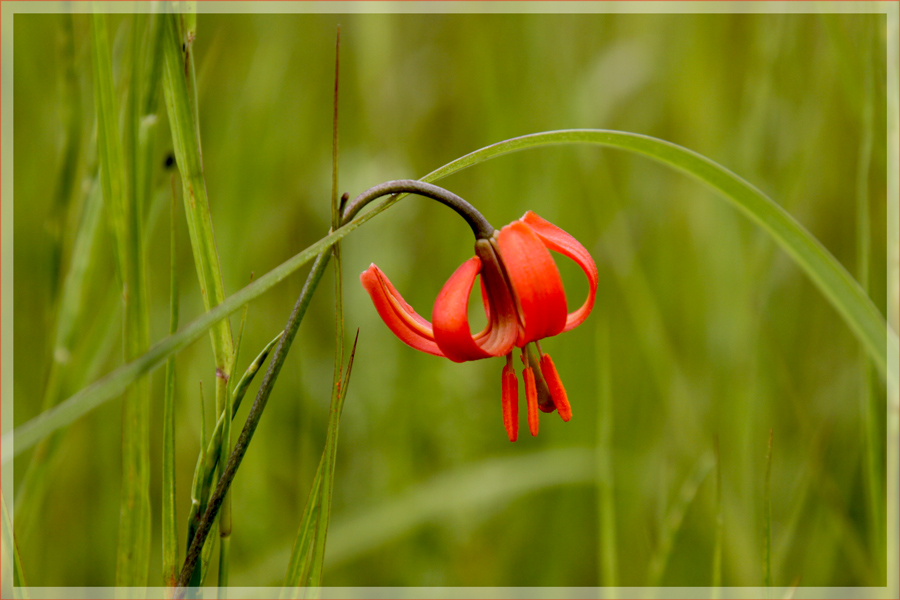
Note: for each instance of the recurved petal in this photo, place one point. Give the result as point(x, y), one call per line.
point(451, 315)
point(559, 241)
point(535, 282)
point(399, 316)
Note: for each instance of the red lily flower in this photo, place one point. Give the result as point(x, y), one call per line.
point(524, 301)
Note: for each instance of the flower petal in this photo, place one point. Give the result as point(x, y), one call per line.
point(451, 315)
point(451, 318)
point(535, 281)
point(559, 241)
point(399, 316)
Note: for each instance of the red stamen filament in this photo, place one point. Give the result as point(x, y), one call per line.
point(531, 397)
point(510, 387)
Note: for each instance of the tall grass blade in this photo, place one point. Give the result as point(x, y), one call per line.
point(609, 568)
point(300, 562)
point(720, 528)
point(259, 405)
point(132, 560)
point(675, 517)
point(475, 488)
point(338, 391)
point(11, 551)
point(70, 321)
point(169, 527)
point(767, 576)
point(835, 283)
point(317, 557)
point(870, 408)
point(196, 203)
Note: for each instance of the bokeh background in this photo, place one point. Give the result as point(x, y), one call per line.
point(703, 329)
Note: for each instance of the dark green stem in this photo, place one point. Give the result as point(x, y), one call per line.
point(480, 227)
point(259, 404)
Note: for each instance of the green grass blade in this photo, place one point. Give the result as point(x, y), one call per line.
point(11, 549)
point(169, 527)
point(132, 560)
point(190, 164)
point(209, 459)
point(720, 528)
point(675, 518)
point(256, 411)
point(767, 501)
point(832, 279)
point(837, 284)
point(606, 505)
point(299, 564)
point(869, 402)
point(317, 557)
point(70, 321)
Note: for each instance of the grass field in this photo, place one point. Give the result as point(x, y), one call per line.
point(727, 427)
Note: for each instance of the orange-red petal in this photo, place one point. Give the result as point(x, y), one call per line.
point(399, 316)
point(451, 311)
point(510, 386)
point(559, 241)
point(535, 282)
point(557, 391)
point(531, 399)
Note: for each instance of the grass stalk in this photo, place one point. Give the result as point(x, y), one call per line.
point(190, 164)
point(609, 567)
point(169, 527)
point(259, 404)
point(870, 404)
point(134, 517)
point(720, 528)
point(675, 518)
point(70, 320)
point(11, 550)
point(768, 516)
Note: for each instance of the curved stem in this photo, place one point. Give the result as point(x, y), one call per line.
point(480, 227)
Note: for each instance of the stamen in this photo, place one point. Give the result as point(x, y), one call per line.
point(510, 387)
point(557, 391)
point(531, 398)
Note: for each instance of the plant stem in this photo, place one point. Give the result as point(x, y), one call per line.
point(262, 397)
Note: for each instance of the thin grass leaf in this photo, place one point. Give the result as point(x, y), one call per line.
point(308, 552)
point(322, 513)
point(317, 556)
point(835, 283)
point(299, 564)
point(204, 472)
point(606, 505)
point(169, 526)
point(70, 320)
point(870, 404)
point(478, 488)
point(259, 405)
point(675, 518)
point(767, 567)
point(186, 143)
point(132, 562)
point(11, 549)
point(224, 442)
point(66, 186)
point(720, 528)
point(858, 312)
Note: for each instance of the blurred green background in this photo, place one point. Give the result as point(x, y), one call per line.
point(703, 329)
